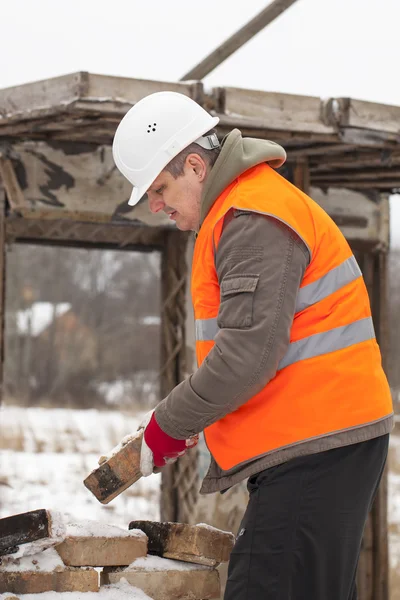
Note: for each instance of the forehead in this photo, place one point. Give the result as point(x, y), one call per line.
point(162, 178)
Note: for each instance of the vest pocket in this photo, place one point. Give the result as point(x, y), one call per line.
point(237, 298)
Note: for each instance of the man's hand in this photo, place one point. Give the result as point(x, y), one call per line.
point(158, 448)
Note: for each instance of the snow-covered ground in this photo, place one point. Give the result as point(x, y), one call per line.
point(45, 454)
point(120, 591)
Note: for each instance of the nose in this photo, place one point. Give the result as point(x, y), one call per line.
point(155, 204)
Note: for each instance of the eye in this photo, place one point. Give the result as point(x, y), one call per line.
point(160, 190)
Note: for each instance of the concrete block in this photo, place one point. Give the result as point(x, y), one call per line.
point(95, 544)
point(199, 544)
point(163, 579)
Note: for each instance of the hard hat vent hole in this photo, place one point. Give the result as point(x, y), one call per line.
point(152, 127)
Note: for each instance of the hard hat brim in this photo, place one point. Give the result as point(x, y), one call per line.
point(136, 195)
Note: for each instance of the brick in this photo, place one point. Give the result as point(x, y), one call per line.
point(36, 582)
point(199, 544)
point(163, 579)
point(97, 545)
point(117, 472)
point(30, 532)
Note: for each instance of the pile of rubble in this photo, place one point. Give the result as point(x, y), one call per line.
point(159, 561)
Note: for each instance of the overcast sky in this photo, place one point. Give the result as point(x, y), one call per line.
point(318, 47)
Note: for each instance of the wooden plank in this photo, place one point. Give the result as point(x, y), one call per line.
point(322, 150)
point(357, 160)
point(30, 98)
point(241, 107)
point(94, 92)
point(369, 115)
point(392, 186)
point(11, 184)
point(368, 137)
point(374, 175)
point(103, 88)
point(82, 234)
point(238, 39)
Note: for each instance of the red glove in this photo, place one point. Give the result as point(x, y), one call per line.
point(162, 445)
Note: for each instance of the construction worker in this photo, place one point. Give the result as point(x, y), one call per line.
point(290, 391)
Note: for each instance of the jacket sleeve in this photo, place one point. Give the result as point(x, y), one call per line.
point(260, 265)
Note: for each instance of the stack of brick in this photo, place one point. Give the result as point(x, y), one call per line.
point(167, 561)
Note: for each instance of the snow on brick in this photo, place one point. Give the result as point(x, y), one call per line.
point(96, 544)
point(163, 579)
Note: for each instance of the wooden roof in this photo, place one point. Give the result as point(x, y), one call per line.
point(347, 143)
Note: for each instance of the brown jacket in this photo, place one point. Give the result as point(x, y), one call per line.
point(250, 243)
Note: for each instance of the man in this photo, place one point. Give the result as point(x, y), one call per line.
point(290, 392)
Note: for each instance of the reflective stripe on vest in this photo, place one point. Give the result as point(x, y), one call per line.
point(335, 279)
point(321, 343)
point(348, 271)
point(309, 347)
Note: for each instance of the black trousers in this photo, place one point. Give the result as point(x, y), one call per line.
point(300, 537)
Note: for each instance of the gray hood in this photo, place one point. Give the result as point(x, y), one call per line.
point(237, 156)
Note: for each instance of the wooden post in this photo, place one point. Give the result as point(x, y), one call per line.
point(373, 570)
point(179, 480)
point(238, 39)
point(301, 175)
point(2, 286)
point(379, 509)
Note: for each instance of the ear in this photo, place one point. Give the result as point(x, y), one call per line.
point(197, 166)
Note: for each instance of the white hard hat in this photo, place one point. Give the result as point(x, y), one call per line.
point(153, 132)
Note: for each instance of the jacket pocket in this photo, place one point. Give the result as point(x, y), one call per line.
point(237, 298)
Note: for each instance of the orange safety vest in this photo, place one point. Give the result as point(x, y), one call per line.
point(331, 378)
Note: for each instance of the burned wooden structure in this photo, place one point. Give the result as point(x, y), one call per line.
point(59, 186)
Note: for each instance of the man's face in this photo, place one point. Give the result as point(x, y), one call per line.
point(180, 198)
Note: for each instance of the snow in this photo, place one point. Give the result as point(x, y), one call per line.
point(150, 320)
point(46, 561)
point(45, 454)
point(156, 563)
point(118, 591)
point(211, 528)
point(96, 529)
point(123, 442)
point(34, 320)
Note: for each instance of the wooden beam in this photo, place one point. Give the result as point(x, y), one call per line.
point(292, 113)
point(321, 150)
point(93, 92)
point(238, 39)
point(301, 175)
point(359, 175)
point(368, 115)
point(374, 184)
point(356, 160)
point(124, 236)
point(13, 190)
point(3, 265)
